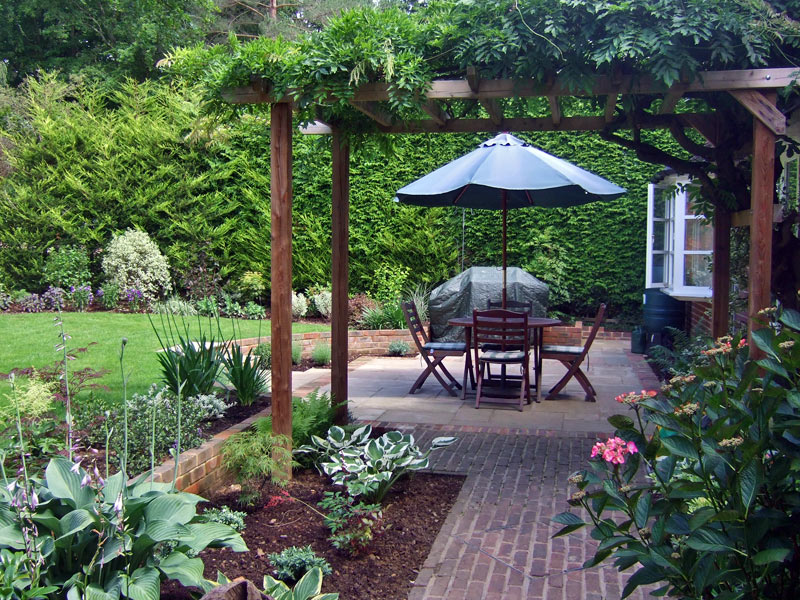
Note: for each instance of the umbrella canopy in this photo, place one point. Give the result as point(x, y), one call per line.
point(505, 172)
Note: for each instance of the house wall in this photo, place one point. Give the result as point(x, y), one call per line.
point(698, 316)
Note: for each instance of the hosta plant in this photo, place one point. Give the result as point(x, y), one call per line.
point(370, 470)
point(322, 450)
point(97, 539)
point(699, 489)
point(308, 588)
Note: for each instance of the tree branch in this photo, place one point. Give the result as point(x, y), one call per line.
point(676, 129)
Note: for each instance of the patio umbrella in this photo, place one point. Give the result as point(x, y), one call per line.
point(505, 172)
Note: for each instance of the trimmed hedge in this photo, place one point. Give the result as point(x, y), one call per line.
point(90, 164)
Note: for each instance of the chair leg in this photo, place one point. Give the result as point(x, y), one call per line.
point(591, 395)
point(480, 369)
point(525, 386)
point(432, 368)
point(572, 367)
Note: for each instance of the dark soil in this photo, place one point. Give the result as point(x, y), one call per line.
point(413, 513)
point(237, 413)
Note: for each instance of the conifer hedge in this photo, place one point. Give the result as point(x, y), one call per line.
point(91, 163)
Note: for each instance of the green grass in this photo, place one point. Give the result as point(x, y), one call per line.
point(30, 339)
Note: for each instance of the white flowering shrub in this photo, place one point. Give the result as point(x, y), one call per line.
point(133, 261)
point(323, 302)
point(299, 305)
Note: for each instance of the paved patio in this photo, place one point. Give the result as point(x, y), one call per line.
point(496, 542)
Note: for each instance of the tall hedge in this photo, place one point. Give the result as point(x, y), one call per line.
point(90, 164)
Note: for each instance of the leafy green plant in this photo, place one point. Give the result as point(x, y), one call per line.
point(684, 355)
point(191, 366)
point(323, 302)
point(297, 353)
point(253, 457)
point(19, 577)
point(80, 297)
point(299, 305)
point(308, 588)
point(321, 354)
point(227, 516)
point(108, 296)
point(388, 315)
point(252, 310)
point(389, 282)
point(245, 374)
point(370, 469)
point(174, 305)
point(294, 562)
point(91, 533)
point(353, 525)
point(322, 450)
point(715, 517)
point(398, 348)
point(264, 354)
point(251, 285)
point(67, 266)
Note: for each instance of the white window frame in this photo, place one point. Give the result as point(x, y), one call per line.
point(675, 244)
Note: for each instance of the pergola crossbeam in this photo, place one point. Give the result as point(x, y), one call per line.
point(436, 112)
point(555, 110)
point(374, 112)
point(671, 99)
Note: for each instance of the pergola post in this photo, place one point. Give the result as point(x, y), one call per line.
point(762, 189)
point(340, 222)
point(281, 263)
point(721, 274)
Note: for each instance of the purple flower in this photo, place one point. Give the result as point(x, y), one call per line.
point(76, 467)
point(118, 504)
point(99, 293)
point(86, 480)
point(72, 289)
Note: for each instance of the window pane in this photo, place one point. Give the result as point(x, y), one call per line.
point(690, 207)
point(696, 271)
point(699, 235)
point(661, 202)
point(660, 235)
point(658, 271)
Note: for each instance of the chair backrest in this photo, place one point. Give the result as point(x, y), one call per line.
point(504, 328)
point(598, 320)
point(514, 305)
point(415, 325)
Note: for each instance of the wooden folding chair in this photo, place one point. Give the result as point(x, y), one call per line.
point(501, 337)
point(516, 306)
point(572, 357)
point(433, 353)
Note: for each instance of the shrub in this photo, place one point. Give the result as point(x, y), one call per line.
point(134, 297)
point(264, 354)
point(323, 302)
point(356, 307)
point(253, 457)
point(174, 305)
point(352, 524)
point(299, 305)
point(398, 348)
point(53, 298)
point(32, 303)
point(716, 515)
point(389, 282)
point(321, 354)
point(133, 261)
point(103, 522)
point(293, 562)
point(208, 306)
point(189, 367)
point(384, 316)
point(230, 307)
point(245, 374)
point(66, 266)
point(227, 516)
point(5, 299)
point(156, 414)
point(297, 353)
point(108, 296)
point(80, 297)
point(254, 311)
point(251, 285)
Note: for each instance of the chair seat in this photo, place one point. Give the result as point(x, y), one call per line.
point(501, 356)
point(446, 346)
point(554, 349)
point(488, 347)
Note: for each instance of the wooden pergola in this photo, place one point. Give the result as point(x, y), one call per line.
point(754, 89)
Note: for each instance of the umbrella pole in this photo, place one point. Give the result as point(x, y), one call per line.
point(505, 216)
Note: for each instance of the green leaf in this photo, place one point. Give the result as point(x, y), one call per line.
point(66, 484)
point(75, 521)
point(642, 510)
point(643, 576)
point(174, 508)
point(748, 484)
point(213, 535)
point(709, 540)
point(771, 555)
point(567, 529)
point(773, 366)
point(791, 318)
point(11, 537)
point(143, 584)
point(568, 518)
point(764, 339)
point(620, 422)
point(189, 571)
point(700, 517)
point(680, 445)
point(309, 585)
point(95, 592)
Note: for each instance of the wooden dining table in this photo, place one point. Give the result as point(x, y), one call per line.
point(536, 326)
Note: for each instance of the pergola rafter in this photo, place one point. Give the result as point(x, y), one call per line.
point(754, 89)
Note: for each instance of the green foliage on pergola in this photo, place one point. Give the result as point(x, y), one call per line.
point(568, 41)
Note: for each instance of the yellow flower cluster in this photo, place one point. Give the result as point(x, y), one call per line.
point(733, 442)
point(687, 409)
point(786, 345)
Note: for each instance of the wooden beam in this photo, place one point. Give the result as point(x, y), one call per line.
point(671, 100)
point(762, 109)
point(762, 189)
point(555, 109)
point(491, 106)
point(281, 267)
point(374, 112)
point(708, 81)
point(709, 126)
point(340, 222)
point(721, 274)
point(743, 218)
point(611, 107)
point(436, 112)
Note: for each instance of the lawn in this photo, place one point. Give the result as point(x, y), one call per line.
point(30, 340)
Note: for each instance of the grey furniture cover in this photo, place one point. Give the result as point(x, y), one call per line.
point(473, 288)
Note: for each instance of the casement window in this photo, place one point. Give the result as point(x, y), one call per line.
point(679, 242)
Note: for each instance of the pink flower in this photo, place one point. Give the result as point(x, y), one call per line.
point(614, 450)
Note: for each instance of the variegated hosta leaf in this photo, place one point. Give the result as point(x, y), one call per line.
point(441, 442)
point(336, 435)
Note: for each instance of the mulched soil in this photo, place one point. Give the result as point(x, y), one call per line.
point(413, 513)
point(237, 413)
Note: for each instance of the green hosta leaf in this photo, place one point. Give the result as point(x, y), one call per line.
point(441, 442)
point(372, 451)
point(620, 422)
point(309, 585)
point(75, 521)
point(65, 484)
point(790, 318)
point(111, 550)
point(772, 555)
point(95, 592)
point(748, 484)
point(336, 434)
point(170, 507)
point(189, 571)
point(161, 530)
point(11, 537)
point(680, 446)
point(213, 535)
point(143, 584)
point(114, 486)
point(47, 519)
point(642, 511)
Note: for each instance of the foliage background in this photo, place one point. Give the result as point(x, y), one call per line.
point(144, 156)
